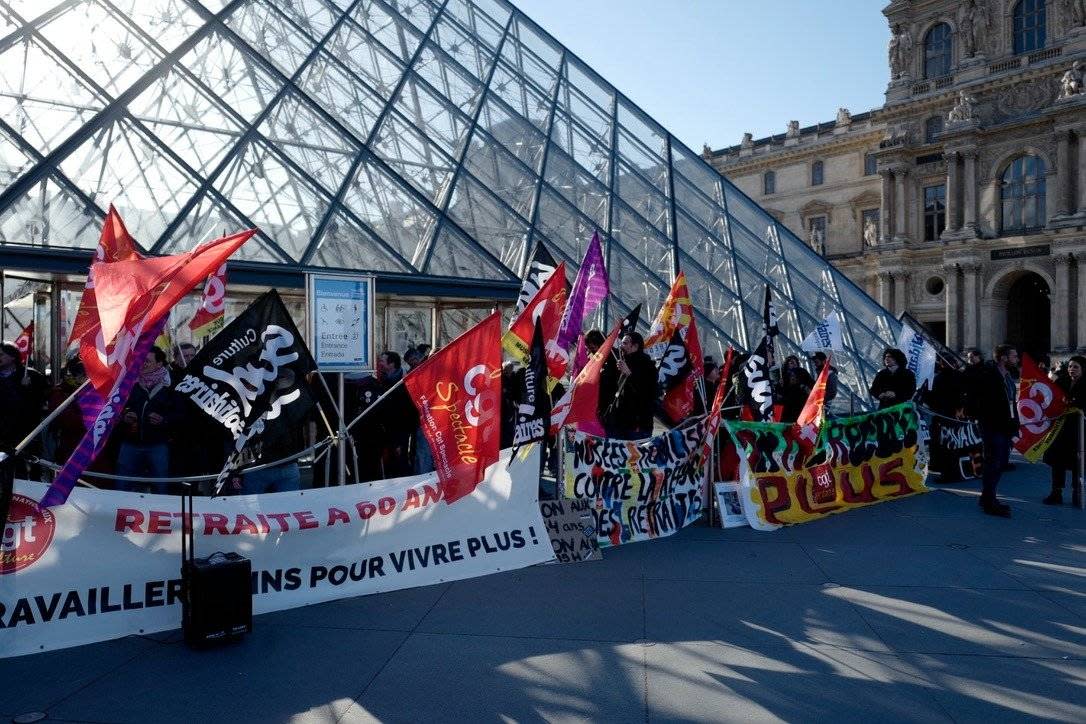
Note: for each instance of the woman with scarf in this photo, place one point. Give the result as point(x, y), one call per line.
point(146, 425)
point(894, 383)
point(1063, 454)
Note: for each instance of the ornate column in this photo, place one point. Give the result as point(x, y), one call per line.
point(970, 305)
point(1081, 191)
point(1063, 173)
point(969, 205)
point(901, 298)
point(1061, 321)
point(900, 172)
point(885, 206)
point(1080, 331)
point(883, 288)
point(953, 311)
point(951, 193)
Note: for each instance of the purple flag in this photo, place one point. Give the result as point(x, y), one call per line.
point(98, 429)
point(589, 290)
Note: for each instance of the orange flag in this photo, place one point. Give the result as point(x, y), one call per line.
point(813, 410)
point(580, 405)
point(115, 244)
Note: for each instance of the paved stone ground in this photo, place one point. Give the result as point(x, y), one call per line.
point(922, 609)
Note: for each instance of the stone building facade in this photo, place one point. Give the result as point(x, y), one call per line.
point(962, 200)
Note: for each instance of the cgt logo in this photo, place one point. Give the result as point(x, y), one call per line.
point(27, 534)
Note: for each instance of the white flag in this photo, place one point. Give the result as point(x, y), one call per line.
point(827, 335)
point(920, 355)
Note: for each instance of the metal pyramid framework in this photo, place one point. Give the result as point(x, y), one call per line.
point(431, 138)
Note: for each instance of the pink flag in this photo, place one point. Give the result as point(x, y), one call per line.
point(589, 289)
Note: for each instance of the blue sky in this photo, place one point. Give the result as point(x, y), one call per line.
point(708, 70)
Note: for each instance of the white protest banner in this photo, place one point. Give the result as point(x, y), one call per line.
point(826, 335)
point(106, 564)
point(919, 353)
point(642, 489)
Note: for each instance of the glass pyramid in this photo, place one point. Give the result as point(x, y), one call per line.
point(438, 138)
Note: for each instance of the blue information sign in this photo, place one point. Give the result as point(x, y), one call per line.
point(341, 321)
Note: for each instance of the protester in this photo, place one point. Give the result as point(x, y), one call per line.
point(629, 414)
point(182, 356)
point(947, 395)
point(894, 383)
point(399, 417)
point(818, 359)
point(424, 350)
point(974, 358)
point(992, 401)
point(412, 358)
point(67, 429)
point(796, 386)
point(594, 340)
point(22, 397)
point(276, 443)
point(1063, 454)
point(152, 411)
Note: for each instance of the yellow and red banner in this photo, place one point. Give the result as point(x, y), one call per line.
point(858, 461)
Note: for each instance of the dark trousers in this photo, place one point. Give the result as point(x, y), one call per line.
point(997, 447)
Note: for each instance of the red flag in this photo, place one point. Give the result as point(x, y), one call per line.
point(458, 391)
point(1041, 404)
point(548, 305)
point(133, 295)
point(814, 409)
point(211, 313)
point(25, 342)
point(713, 423)
point(580, 405)
point(678, 402)
point(676, 313)
point(115, 244)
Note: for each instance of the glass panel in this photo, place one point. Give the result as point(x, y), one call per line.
point(500, 172)
point(631, 283)
point(29, 10)
point(341, 95)
point(457, 320)
point(408, 326)
point(518, 136)
point(692, 172)
point(455, 256)
point(414, 157)
point(48, 215)
point(271, 37)
point(310, 141)
point(596, 121)
point(387, 208)
point(13, 160)
point(396, 35)
point(433, 115)
point(103, 48)
point(232, 75)
point(460, 88)
point(532, 56)
point(706, 250)
point(522, 96)
point(476, 57)
point(366, 59)
point(187, 120)
point(642, 197)
point(568, 232)
point(581, 189)
point(593, 154)
point(483, 18)
point(314, 17)
point(494, 228)
point(209, 219)
point(707, 213)
point(640, 139)
point(276, 197)
point(167, 21)
point(594, 89)
point(344, 244)
point(642, 241)
point(720, 306)
point(119, 166)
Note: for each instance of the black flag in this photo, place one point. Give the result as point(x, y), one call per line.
point(675, 365)
point(759, 387)
point(770, 328)
point(534, 410)
point(629, 322)
point(539, 271)
point(251, 378)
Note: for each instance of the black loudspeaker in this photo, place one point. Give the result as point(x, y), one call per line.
point(217, 598)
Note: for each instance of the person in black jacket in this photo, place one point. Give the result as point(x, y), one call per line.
point(147, 423)
point(23, 393)
point(991, 400)
point(629, 414)
point(1063, 455)
point(796, 386)
point(894, 383)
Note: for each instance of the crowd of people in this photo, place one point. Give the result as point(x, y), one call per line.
point(159, 436)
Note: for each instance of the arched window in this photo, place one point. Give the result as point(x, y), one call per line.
point(769, 183)
point(1029, 26)
point(932, 127)
point(1023, 194)
point(937, 47)
point(816, 173)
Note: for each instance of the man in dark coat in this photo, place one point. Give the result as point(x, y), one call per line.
point(894, 383)
point(629, 415)
point(147, 425)
point(992, 401)
point(22, 397)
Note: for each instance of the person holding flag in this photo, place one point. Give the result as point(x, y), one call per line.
point(25, 343)
point(22, 395)
point(628, 416)
point(1063, 455)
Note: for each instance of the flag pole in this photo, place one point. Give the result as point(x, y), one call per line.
point(374, 404)
point(45, 423)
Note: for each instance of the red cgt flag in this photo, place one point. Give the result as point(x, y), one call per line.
point(1041, 405)
point(211, 313)
point(548, 306)
point(133, 295)
point(458, 392)
point(115, 244)
point(25, 342)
